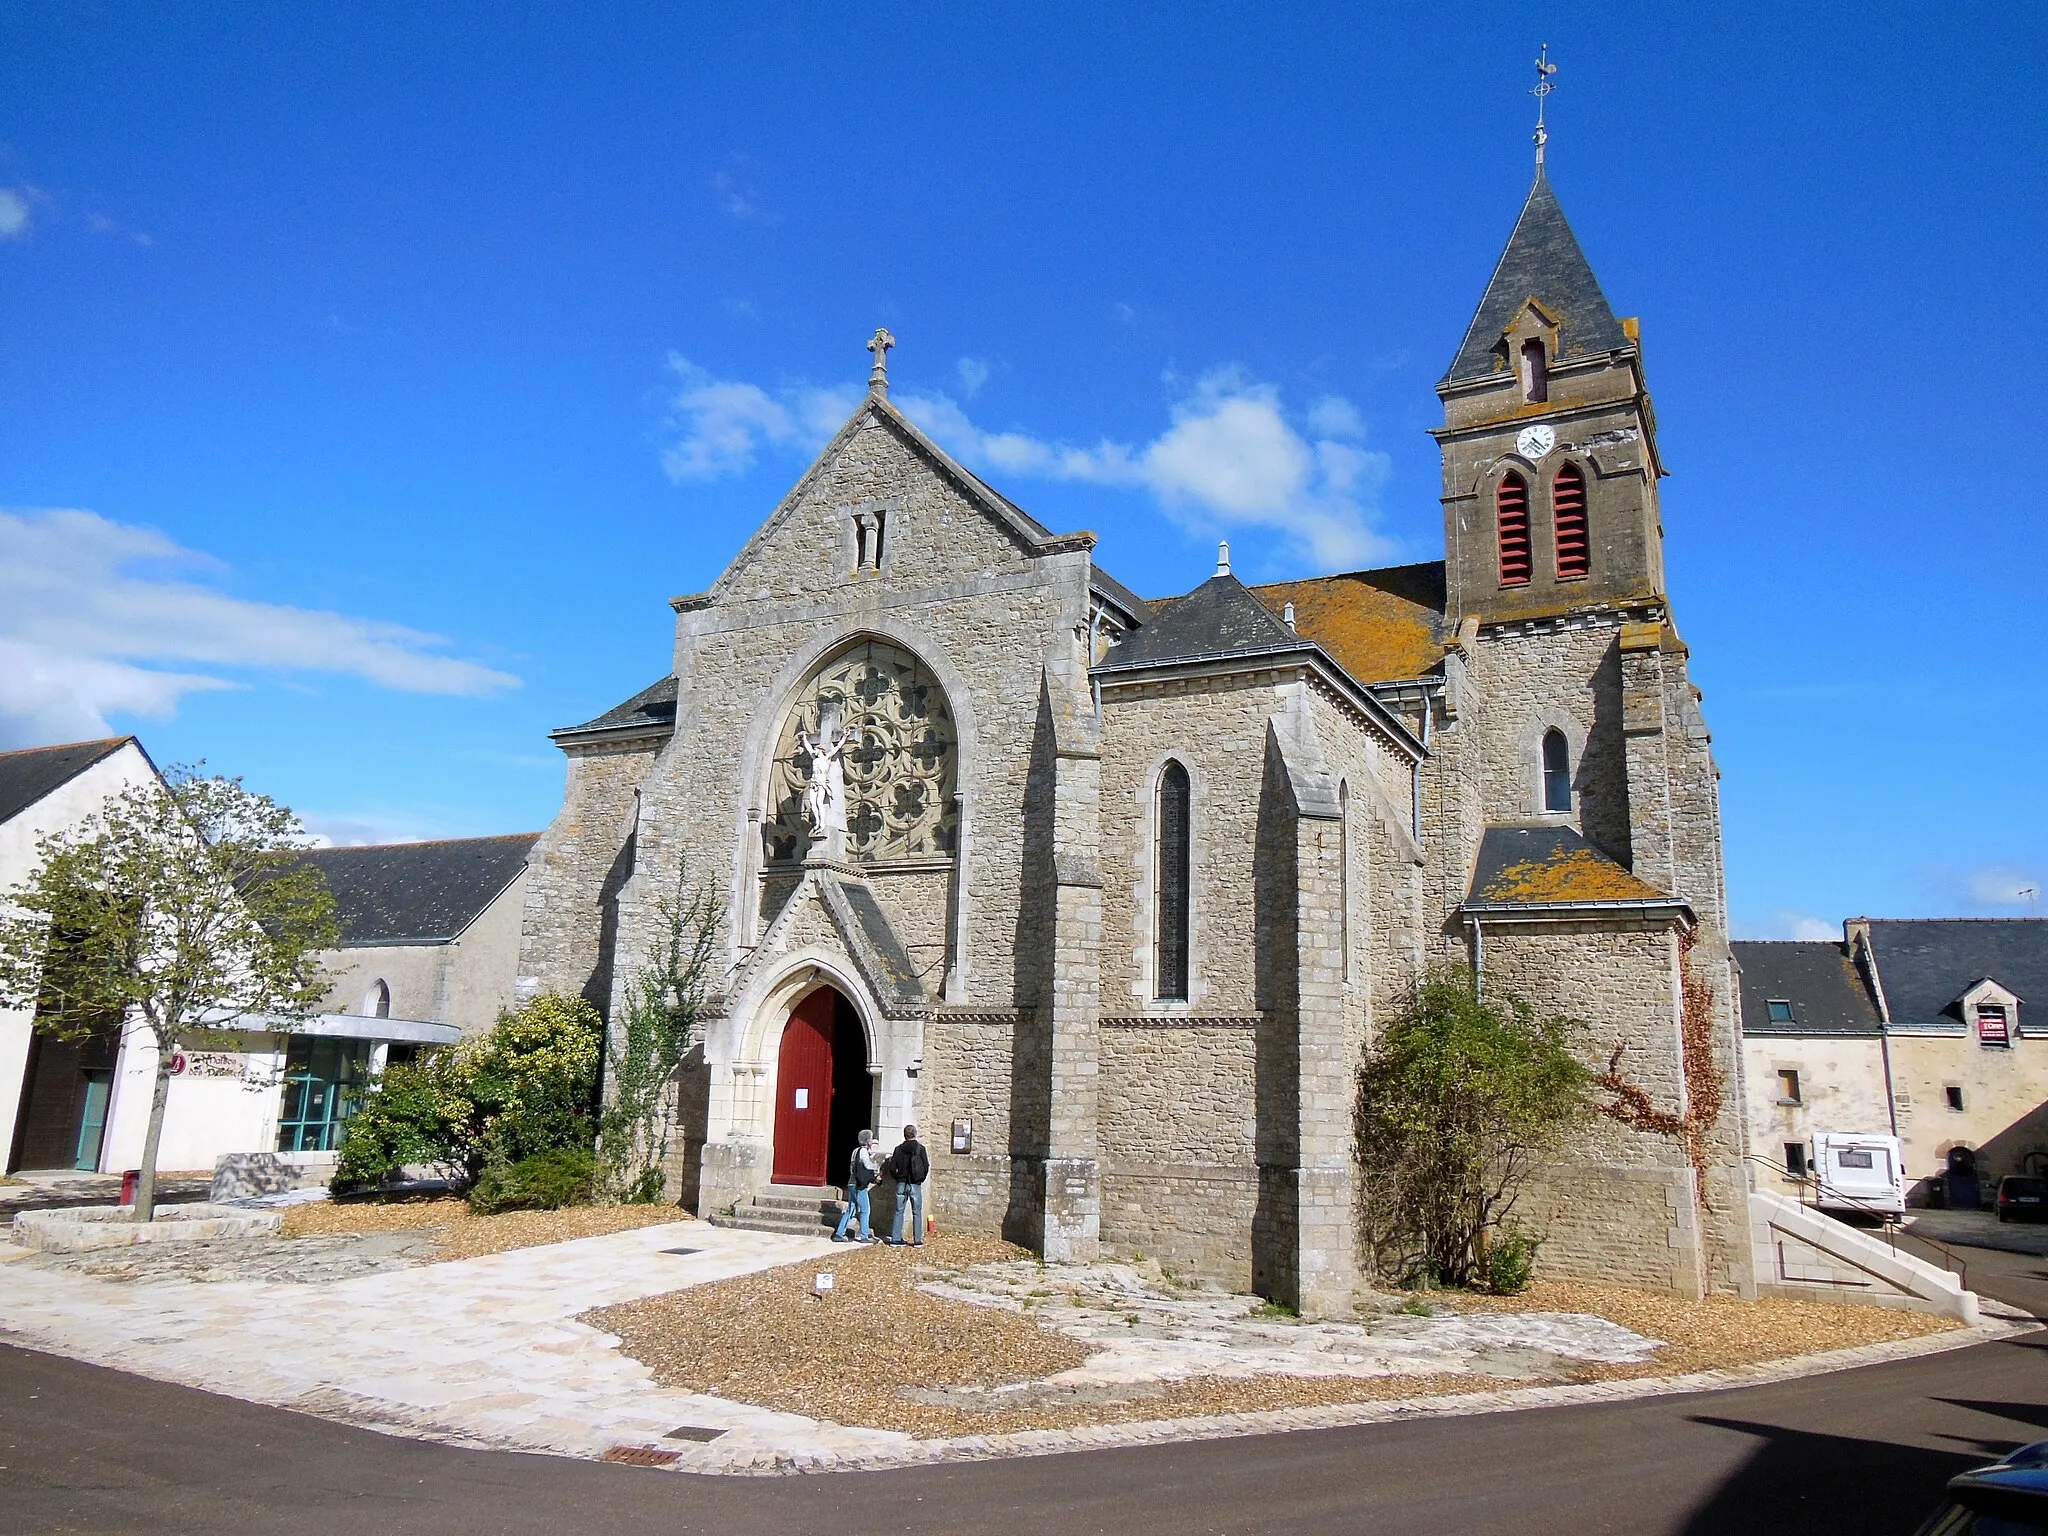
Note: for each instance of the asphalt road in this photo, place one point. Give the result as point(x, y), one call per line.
point(1866, 1451)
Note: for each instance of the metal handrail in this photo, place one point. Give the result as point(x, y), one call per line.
point(1889, 1219)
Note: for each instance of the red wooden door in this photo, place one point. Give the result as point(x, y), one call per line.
point(803, 1091)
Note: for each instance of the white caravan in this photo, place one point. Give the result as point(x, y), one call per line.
point(1857, 1171)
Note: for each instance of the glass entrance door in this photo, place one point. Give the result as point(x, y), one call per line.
point(323, 1084)
point(92, 1121)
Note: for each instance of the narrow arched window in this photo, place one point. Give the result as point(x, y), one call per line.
point(1557, 772)
point(377, 1001)
point(1535, 372)
point(1511, 510)
point(1173, 882)
point(1344, 876)
point(1568, 517)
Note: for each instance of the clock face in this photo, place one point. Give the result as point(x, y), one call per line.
point(1535, 442)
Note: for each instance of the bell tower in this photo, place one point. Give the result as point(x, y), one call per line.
point(1549, 440)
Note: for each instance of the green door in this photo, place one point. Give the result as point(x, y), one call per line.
point(92, 1124)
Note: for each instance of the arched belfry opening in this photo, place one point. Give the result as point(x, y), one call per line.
point(824, 1094)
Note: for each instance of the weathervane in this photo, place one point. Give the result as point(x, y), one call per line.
point(1544, 70)
point(878, 376)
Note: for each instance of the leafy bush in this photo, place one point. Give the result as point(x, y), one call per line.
point(526, 1087)
point(1457, 1101)
point(546, 1181)
point(1511, 1261)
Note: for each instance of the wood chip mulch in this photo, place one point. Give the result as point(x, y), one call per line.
point(1708, 1335)
point(460, 1234)
point(854, 1355)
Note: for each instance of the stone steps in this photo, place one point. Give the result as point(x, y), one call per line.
point(796, 1212)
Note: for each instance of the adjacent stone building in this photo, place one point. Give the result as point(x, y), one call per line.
point(1107, 894)
point(1921, 1029)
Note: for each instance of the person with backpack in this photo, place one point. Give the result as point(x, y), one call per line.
point(909, 1165)
point(862, 1170)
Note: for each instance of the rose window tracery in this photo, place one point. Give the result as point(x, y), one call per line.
point(898, 762)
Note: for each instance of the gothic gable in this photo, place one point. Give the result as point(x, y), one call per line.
point(882, 503)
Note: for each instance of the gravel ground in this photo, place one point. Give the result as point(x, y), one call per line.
point(882, 1350)
point(1708, 1335)
point(456, 1233)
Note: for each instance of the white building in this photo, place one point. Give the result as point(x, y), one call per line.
point(430, 934)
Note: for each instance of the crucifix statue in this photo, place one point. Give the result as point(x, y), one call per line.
point(878, 376)
point(825, 787)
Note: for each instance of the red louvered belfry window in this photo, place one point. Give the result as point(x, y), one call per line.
point(1511, 505)
point(1568, 513)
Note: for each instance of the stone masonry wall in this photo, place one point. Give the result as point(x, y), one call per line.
point(575, 872)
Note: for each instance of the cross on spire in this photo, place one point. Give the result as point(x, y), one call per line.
point(1543, 87)
point(878, 376)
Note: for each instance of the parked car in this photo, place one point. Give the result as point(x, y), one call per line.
point(2007, 1498)
point(2022, 1197)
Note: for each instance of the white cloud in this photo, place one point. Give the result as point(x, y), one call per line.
point(357, 829)
point(15, 217)
point(738, 197)
point(973, 374)
point(722, 425)
point(1229, 457)
point(1788, 924)
point(2004, 888)
point(98, 614)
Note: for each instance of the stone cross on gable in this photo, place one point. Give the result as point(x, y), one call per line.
point(878, 376)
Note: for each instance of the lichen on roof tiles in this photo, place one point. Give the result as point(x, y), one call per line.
point(1568, 874)
point(1377, 625)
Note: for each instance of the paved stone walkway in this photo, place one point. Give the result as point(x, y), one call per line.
point(487, 1352)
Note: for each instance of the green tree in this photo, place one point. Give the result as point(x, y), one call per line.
point(1457, 1100)
point(525, 1087)
point(645, 1047)
point(183, 909)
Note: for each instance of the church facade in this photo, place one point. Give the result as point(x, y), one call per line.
point(1106, 894)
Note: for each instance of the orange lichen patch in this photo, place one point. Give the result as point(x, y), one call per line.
point(1376, 625)
point(1567, 874)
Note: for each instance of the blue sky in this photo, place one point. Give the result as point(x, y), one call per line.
point(370, 375)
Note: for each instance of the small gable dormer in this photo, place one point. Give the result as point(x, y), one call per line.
point(1527, 348)
point(1991, 1013)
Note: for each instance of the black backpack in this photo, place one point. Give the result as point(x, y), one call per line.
point(910, 1165)
point(861, 1175)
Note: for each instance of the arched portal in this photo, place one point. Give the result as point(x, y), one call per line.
point(823, 1091)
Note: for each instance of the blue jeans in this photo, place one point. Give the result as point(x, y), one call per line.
point(909, 1197)
point(856, 1205)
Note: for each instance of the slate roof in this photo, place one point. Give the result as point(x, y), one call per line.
point(418, 893)
point(652, 708)
point(1377, 625)
point(28, 775)
point(1540, 865)
point(1543, 262)
point(1119, 594)
point(1925, 965)
point(1218, 618)
point(1819, 979)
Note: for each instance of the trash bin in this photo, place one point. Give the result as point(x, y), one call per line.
point(129, 1181)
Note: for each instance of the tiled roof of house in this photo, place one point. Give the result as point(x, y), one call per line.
point(1543, 262)
point(1819, 981)
point(30, 774)
point(1218, 618)
point(652, 708)
point(1377, 625)
point(1926, 965)
point(1523, 866)
point(418, 893)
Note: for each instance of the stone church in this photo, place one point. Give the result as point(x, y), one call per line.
point(1106, 893)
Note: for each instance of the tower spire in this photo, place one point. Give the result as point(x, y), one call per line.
point(1543, 87)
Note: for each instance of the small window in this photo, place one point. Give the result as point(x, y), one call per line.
point(377, 1001)
point(1991, 1026)
point(869, 525)
point(1788, 1086)
point(1174, 797)
point(1848, 1158)
point(1557, 772)
point(1568, 520)
point(1535, 372)
point(1954, 1094)
point(1795, 1159)
point(1781, 1010)
point(1511, 509)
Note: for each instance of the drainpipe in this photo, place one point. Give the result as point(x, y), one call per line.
point(1415, 773)
point(1478, 960)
